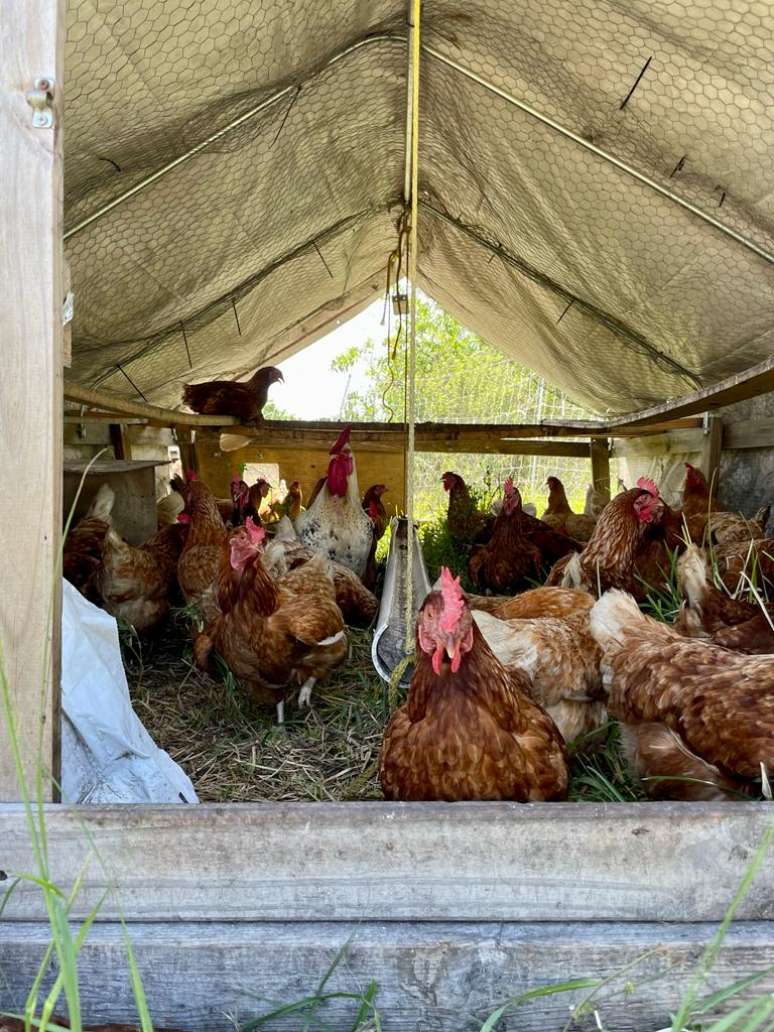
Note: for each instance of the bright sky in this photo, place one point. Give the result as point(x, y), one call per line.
point(311, 390)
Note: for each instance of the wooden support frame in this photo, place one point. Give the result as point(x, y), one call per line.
point(600, 466)
point(31, 52)
point(712, 446)
point(119, 438)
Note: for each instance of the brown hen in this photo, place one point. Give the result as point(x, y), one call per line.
point(467, 524)
point(560, 516)
point(243, 399)
point(509, 559)
point(199, 563)
point(468, 729)
point(83, 546)
point(275, 635)
point(137, 585)
point(692, 713)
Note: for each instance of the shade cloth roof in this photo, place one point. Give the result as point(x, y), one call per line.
point(252, 246)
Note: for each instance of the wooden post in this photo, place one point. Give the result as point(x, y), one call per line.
point(600, 465)
point(712, 446)
point(186, 442)
point(31, 65)
point(119, 438)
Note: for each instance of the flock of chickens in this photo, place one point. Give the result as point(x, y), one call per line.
point(505, 679)
point(504, 682)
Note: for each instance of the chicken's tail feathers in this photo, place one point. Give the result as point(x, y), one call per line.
point(102, 503)
point(573, 576)
point(692, 575)
point(233, 442)
point(614, 614)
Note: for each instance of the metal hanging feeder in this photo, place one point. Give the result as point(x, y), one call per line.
point(388, 648)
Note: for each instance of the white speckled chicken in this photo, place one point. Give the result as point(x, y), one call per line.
point(335, 523)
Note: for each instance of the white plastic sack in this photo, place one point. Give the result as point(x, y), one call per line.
point(107, 755)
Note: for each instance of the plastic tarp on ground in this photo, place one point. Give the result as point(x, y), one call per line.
point(107, 755)
point(283, 218)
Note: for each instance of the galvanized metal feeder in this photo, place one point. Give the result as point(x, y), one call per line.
point(388, 648)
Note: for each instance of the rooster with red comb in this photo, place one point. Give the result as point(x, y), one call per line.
point(469, 729)
point(335, 523)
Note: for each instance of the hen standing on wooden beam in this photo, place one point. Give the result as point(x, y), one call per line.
point(242, 399)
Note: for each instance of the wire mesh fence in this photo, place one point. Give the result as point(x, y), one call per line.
point(504, 393)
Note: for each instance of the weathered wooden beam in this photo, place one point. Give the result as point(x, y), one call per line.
point(399, 862)
point(600, 465)
point(31, 382)
point(675, 442)
point(752, 433)
point(186, 442)
point(445, 977)
point(750, 383)
point(453, 442)
point(107, 402)
point(327, 430)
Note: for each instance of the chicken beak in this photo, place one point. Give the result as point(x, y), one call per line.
point(453, 651)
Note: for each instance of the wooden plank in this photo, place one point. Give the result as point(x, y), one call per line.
point(442, 434)
point(380, 861)
point(711, 449)
point(674, 443)
point(122, 447)
point(440, 977)
point(752, 433)
point(454, 442)
point(750, 383)
point(115, 403)
point(600, 465)
point(103, 401)
point(31, 383)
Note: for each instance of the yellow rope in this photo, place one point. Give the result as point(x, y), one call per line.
point(411, 357)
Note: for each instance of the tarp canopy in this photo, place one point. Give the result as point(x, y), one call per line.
point(282, 219)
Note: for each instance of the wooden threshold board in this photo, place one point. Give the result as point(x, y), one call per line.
point(400, 862)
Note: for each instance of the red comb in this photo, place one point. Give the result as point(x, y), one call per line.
point(508, 485)
point(235, 478)
point(646, 484)
point(453, 600)
point(183, 517)
point(191, 475)
point(341, 440)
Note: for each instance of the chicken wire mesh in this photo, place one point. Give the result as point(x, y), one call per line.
point(264, 143)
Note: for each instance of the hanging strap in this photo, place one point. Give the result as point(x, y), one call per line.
point(411, 356)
